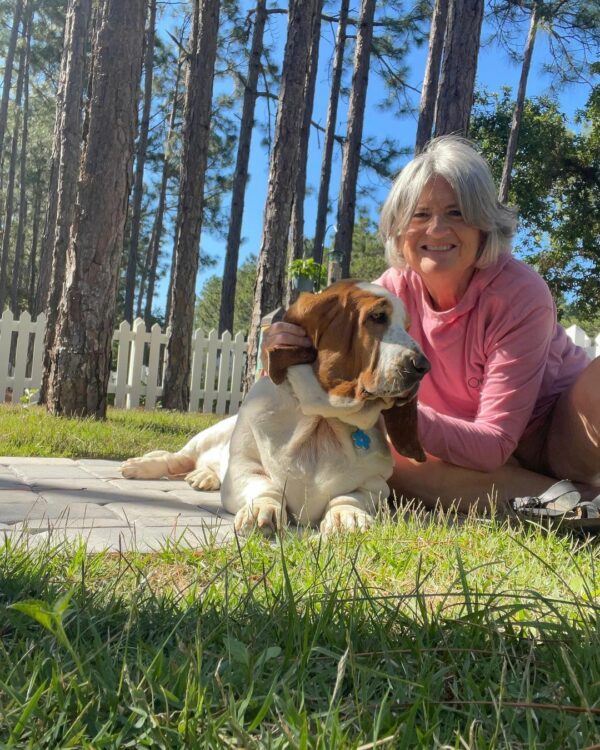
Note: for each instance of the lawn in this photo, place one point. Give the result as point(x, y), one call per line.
point(425, 632)
point(31, 431)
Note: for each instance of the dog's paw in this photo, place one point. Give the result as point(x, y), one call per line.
point(151, 466)
point(203, 479)
point(345, 519)
point(265, 516)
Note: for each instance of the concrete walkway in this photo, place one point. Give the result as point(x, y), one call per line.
point(58, 499)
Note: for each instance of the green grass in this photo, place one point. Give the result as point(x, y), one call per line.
point(421, 633)
point(31, 431)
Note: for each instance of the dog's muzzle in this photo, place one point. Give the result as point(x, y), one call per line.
point(402, 382)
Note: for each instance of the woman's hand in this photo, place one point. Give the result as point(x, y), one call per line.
point(283, 334)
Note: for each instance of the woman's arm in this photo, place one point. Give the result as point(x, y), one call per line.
point(513, 375)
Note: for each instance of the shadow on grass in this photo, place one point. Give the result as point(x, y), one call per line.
point(283, 646)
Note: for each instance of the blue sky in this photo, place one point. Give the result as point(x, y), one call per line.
point(494, 71)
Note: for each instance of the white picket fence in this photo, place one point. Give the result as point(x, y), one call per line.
point(217, 364)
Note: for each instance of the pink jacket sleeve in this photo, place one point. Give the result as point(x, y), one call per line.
point(517, 356)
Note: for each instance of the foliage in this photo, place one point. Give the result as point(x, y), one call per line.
point(307, 268)
point(556, 184)
point(208, 302)
point(571, 30)
point(368, 261)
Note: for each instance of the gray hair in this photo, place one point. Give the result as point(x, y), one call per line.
point(457, 161)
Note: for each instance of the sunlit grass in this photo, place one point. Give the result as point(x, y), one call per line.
point(422, 632)
point(31, 431)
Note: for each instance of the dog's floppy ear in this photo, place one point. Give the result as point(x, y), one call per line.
point(279, 359)
point(401, 426)
point(282, 357)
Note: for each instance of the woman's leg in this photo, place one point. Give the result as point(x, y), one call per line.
point(573, 444)
point(436, 482)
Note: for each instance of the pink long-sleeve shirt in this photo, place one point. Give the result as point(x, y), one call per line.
point(499, 360)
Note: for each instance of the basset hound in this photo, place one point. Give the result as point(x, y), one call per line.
point(308, 440)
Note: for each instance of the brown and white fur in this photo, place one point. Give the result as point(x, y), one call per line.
point(290, 449)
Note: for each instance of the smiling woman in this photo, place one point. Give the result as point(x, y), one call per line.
point(506, 385)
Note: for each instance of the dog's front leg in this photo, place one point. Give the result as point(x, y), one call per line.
point(251, 495)
point(158, 465)
point(354, 511)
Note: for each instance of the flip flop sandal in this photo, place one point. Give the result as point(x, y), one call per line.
point(560, 506)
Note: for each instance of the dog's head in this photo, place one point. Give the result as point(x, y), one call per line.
point(361, 352)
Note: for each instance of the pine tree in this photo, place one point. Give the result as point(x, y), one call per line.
point(81, 356)
point(352, 145)
point(197, 121)
point(138, 186)
point(240, 178)
point(282, 172)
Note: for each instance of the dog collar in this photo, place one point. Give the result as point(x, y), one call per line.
point(361, 439)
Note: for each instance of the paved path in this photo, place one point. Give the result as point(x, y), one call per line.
point(64, 499)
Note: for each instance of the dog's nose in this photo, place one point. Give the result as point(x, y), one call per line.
point(418, 365)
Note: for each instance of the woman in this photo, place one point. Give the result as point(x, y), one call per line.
point(511, 404)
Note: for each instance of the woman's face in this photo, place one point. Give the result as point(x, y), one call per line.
point(438, 244)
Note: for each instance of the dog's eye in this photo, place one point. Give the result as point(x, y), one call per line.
point(378, 317)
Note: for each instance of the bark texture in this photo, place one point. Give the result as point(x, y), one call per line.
point(240, 177)
point(283, 168)
point(8, 69)
point(459, 65)
point(35, 233)
point(10, 185)
point(152, 253)
point(68, 150)
point(296, 243)
point(80, 358)
point(20, 243)
point(334, 98)
point(196, 134)
point(63, 166)
point(140, 162)
point(351, 154)
point(432, 72)
point(513, 137)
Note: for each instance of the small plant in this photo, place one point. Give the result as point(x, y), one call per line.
point(30, 396)
point(308, 268)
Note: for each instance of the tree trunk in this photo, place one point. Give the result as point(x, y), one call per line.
point(68, 133)
point(240, 177)
point(10, 187)
point(153, 251)
point(81, 357)
point(296, 243)
point(68, 147)
point(8, 69)
point(282, 172)
point(334, 97)
point(459, 64)
point(513, 138)
point(351, 155)
point(35, 233)
point(20, 243)
point(172, 267)
point(196, 137)
point(432, 74)
point(138, 187)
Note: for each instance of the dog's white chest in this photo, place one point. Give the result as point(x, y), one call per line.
point(307, 460)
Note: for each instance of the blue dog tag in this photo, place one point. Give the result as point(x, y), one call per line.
point(361, 439)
